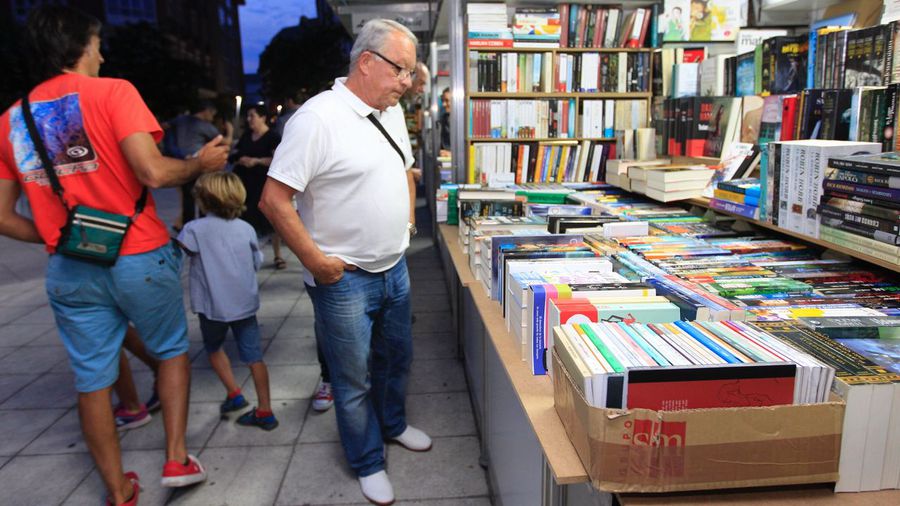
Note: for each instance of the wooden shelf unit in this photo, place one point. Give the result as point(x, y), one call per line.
point(578, 96)
point(704, 203)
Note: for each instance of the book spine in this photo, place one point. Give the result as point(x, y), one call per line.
point(855, 177)
point(865, 166)
point(735, 208)
point(862, 208)
point(853, 228)
point(880, 224)
point(863, 190)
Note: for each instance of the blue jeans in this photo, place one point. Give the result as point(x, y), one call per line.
point(366, 337)
point(246, 334)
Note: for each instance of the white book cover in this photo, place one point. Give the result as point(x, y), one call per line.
point(858, 399)
point(622, 80)
point(876, 437)
point(512, 73)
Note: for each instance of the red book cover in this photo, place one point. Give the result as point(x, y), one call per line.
point(601, 25)
point(788, 117)
point(563, 25)
point(490, 43)
point(582, 20)
point(693, 55)
point(646, 26)
point(701, 387)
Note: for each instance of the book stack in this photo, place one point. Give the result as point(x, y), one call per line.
point(536, 27)
point(504, 163)
point(792, 183)
point(858, 208)
point(687, 365)
point(488, 25)
point(870, 447)
point(739, 196)
point(667, 183)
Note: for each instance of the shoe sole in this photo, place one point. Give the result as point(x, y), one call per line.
point(182, 481)
point(321, 409)
point(135, 424)
point(379, 503)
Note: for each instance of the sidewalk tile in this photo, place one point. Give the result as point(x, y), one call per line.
point(439, 415)
point(239, 476)
point(433, 346)
point(292, 351)
point(312, 467)
point(52, 390)
point(25, 333)
point(297, 327)
point(26, 477)
point(64, 436)
point(320, 427)
point(21, 427)
point(425, 475)
point(10, 384)
point(431, 376)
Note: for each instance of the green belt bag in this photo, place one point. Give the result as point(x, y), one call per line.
point(89, 234)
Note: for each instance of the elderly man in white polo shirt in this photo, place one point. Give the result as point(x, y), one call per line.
point(345, 154)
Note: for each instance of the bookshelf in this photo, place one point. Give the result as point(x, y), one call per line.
point(704, 203)
point(576, 99)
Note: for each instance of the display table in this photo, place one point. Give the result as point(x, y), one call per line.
point(529, 457)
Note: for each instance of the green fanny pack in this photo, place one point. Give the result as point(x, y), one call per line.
point(89, 234)
point(94, 235)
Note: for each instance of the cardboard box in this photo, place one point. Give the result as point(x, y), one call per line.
point(642, 450)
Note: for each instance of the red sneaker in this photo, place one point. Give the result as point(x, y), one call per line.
point(176, 474)
point(133, 478)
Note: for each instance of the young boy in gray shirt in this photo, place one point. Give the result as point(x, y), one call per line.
point(224, 257)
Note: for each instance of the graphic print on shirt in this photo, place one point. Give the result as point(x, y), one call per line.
point(61, 126)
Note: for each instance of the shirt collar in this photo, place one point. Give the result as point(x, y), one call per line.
point(351, 99)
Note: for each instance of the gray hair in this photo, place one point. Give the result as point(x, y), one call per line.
point(373, 36)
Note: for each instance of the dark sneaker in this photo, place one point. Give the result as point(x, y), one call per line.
point(250, 419)
point(233, 404)
point(126, 420)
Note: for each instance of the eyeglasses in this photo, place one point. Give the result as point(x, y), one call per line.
point(400, 72)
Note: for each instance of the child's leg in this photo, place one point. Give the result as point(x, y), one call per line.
point(220, 363)
point(213, 336)
point(261, 381)
point(246, 332)
point(124, 386)
point(134, 344)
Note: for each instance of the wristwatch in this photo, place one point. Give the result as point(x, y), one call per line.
point(411, 227)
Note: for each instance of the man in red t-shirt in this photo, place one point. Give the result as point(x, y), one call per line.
point(102, 140)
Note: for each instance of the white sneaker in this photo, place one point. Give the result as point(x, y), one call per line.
point(323, 400)
point(377, 488)
point(414, 439)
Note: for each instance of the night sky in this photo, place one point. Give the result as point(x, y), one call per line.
point(262, 19)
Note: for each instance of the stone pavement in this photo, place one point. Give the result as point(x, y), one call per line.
point(43, 459)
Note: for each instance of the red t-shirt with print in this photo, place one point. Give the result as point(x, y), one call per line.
point(82, 120)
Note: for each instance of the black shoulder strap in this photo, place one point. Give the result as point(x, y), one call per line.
point(381, 129)
point(47, 164)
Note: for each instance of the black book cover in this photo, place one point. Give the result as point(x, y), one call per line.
point(811, 116)
point(836, 112)
point(790, 63)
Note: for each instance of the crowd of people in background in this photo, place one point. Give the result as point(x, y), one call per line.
point(307, 176)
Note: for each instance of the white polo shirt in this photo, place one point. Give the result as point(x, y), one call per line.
point(354, 198)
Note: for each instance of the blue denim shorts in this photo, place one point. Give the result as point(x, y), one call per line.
point(246, 333)
point(93, 304)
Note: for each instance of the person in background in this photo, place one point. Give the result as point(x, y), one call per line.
point(445, 119)
point(102, 139)
point(225, 256)
point(291, 104)
point(189, 133)
point(345, 157)
point(251, 158)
